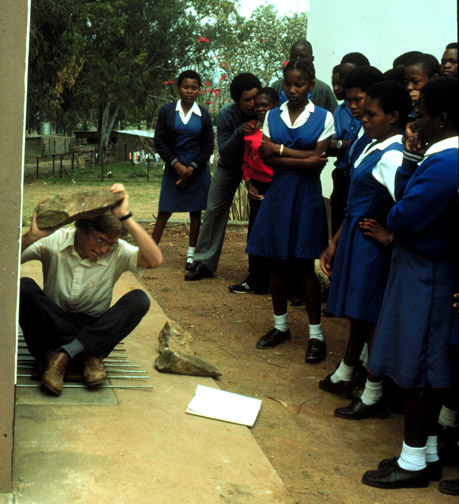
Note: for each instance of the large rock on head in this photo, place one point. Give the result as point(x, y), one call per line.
point(65, 208)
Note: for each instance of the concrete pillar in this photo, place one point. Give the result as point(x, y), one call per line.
point(14, 29)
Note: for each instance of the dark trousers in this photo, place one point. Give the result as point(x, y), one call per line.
point(259, 266)
point(46, 326)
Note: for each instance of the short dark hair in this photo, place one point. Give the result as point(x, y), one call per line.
point(392, 96)
point(106, 224)
point(396, 74)
point(402, 59)
point(363, 77)
point(302, 43)
point(440, 96)
point(188, 74)
point(355, 58)
point(243, 82)
point(453, 45)
point(429, 63)
point(269, 91)
point(302, 65)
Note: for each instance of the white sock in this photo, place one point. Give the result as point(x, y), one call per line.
point(364, 356)
point(343, 373)
point(190, 254)
point(431, 449)
point(448, 417)
point(412, 458)
point(372, 392)
point(280, 322)
point(315, 332)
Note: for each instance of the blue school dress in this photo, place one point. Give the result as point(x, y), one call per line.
point(190, 143)
point(292, 221)
point(361, 264)
point(412, 338)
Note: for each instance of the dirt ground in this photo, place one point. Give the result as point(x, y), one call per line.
point(319, 457)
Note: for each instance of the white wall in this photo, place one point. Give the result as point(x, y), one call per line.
point(380, 29)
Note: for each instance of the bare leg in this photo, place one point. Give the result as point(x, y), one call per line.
point(161, 222)
point(311, 288)
point(278, 286)
point(195, 226)
point(359, 334)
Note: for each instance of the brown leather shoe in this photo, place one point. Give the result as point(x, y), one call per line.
point(53, 377)
point(94, 372)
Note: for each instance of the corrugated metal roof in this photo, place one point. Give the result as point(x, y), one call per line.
point(142, 133)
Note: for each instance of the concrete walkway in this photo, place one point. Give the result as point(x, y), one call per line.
point(141, 448)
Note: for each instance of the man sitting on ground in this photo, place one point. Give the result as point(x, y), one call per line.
point(72, 314)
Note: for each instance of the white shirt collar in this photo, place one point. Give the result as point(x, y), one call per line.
point(447, 143)
point(193, 110)
point(382, 145)
point(301, 119)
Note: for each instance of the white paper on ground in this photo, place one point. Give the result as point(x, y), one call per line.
point(221, 405)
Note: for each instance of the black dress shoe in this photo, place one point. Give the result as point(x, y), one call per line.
point(198, 274)
point(358, 411)
point(435, 468)
point(394, 476)
point(342, 389)
point(450, 487)
point(273, 338)
point(316, 352)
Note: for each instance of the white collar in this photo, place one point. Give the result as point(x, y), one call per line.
point(310, 107)
point(194, 109)
point(447, 143)
point(382, 145)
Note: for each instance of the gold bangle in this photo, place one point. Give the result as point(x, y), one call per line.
point(281, 150)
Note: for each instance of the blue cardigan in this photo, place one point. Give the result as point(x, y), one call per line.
point(165, 136)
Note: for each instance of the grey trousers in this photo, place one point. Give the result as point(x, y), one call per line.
point(221, 193)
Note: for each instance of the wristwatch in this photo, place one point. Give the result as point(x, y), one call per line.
point(339, 144)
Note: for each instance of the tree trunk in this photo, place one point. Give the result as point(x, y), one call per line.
point(106, 121)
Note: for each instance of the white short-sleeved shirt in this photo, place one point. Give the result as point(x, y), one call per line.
point(309, 109)
point(79, 285)
point(386, 168)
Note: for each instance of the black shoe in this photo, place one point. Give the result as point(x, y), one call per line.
point(393, 476)
point(189, 266)
point(273, 338)
point(242, 288)
point(435, 468)
point(198, 274)
point(342, 388)
point(297, 299)
point(450, 487)
point(358, 411)
point(316, 351)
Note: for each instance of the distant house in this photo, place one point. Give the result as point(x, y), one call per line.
point(122, 144)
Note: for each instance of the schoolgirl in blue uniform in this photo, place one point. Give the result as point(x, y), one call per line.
point(360, 251)
point(184, 139)
point(411, 343)
point(291, 223)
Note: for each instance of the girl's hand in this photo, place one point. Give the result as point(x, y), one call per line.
point(182, 171)
point(375, 231)
point(411, 139)
point(268, 149)
point(326, 259)
point(316, 161)
point(253, 192)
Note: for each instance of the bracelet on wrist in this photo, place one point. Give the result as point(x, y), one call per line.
point(281, 150)
point(126, 217)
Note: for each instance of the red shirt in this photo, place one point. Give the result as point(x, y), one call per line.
point(253, 166)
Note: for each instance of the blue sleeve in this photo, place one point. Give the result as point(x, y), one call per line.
point(206, 140)
point(229, 138)
point(427, 195)
point(405, 172)
point(163, 136)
